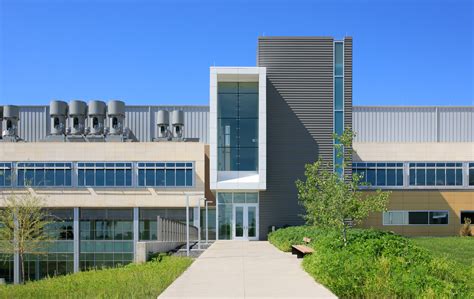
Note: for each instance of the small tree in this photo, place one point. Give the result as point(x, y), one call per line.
point(23, 223)
point(332, 198)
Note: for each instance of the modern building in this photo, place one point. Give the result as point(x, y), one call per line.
point(108, 170)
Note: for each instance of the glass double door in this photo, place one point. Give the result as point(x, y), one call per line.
point(245, 222)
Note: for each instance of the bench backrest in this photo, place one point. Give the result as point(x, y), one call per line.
point(306, 240)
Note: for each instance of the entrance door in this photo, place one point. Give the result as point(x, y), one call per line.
point(245, 222)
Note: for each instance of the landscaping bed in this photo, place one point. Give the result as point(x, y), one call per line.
point(377, 264)
point(146, 280)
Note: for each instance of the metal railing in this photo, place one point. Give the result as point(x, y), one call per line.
point(174, 231)
point(171, 234)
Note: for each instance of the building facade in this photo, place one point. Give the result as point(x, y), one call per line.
point(107, 171)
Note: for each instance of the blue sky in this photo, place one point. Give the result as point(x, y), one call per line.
point(155, 52)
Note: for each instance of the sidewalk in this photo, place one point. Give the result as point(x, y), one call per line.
point(242, 269)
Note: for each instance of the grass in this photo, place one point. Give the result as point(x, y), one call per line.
point(460, 249)
point(132, 281)
point(377, 264)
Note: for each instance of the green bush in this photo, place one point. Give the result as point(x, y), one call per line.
point(377, 264)
point(146, 280)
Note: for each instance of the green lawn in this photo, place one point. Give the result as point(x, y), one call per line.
point(460, 249)
point(132, 281)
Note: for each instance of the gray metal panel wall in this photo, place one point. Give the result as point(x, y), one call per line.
point(414, 124)
point(348, 94)
point(299, 118)
point(34, 122)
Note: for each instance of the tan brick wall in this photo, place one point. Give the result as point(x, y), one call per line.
point(451, 201)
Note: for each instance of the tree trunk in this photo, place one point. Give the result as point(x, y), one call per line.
point(22, 267)
point(344, 234)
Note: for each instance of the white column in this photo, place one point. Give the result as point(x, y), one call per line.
point(76, 234)
point(136, 226)
point(16, 261)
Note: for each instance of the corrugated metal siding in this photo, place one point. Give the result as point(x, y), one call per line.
point(299, 118)
point(413, 124)
point(34, 121)
point(348, 94)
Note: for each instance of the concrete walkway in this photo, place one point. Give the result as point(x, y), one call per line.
point(242, 269)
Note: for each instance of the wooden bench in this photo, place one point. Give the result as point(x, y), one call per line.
point(302, 250)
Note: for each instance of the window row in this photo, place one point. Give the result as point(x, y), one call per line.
point(104, 174)
point(391, 174)
point(379, 174)
point(165, 174)
point(44, 174)
point(435, 174)
point(471, 174)
point(98, 174)
point(415, 217)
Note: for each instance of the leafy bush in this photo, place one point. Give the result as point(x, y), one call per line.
point(466, 228)
point(377, 264)
point(132, 281)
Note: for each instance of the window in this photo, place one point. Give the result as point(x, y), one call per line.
point(44, 174)
point(435, 174)
point(467, 214)
point(5, 174)
point(338, 103)
point(415, 217)
point(471, 174)
point(237, 132)
point(180, 174)
point(380, 174)
point(106, 237)
point(104, 174)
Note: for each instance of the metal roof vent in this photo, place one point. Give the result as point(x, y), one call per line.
point(116, 117)
point(11, 116)
point(177, 117)
point(77, 117)
point(163, 123)
point(97, 112)
point(58, 114)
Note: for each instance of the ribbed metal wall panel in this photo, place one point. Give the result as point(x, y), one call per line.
point(35, 121)
point(348, 94)
point(299, 118)
point(413, 124)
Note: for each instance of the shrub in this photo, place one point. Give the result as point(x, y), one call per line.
point(466, 228)
point(146, 280)
point(377, 264)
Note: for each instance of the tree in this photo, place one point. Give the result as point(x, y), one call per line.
point(23, 226)
point(333, 199)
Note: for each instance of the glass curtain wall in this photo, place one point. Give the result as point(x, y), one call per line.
point(338, 101)
point(211, 218)
point(56, 258)
point(237, 117)
point(106, 237)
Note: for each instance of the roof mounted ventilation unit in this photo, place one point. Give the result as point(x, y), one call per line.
point(163, 123)
point(97, 112)
point(11, 116)
point(77, 118)
point(58, 114)
point(177, 117)
point(116, 117)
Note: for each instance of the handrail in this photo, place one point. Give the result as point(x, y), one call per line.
point(174, 231)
